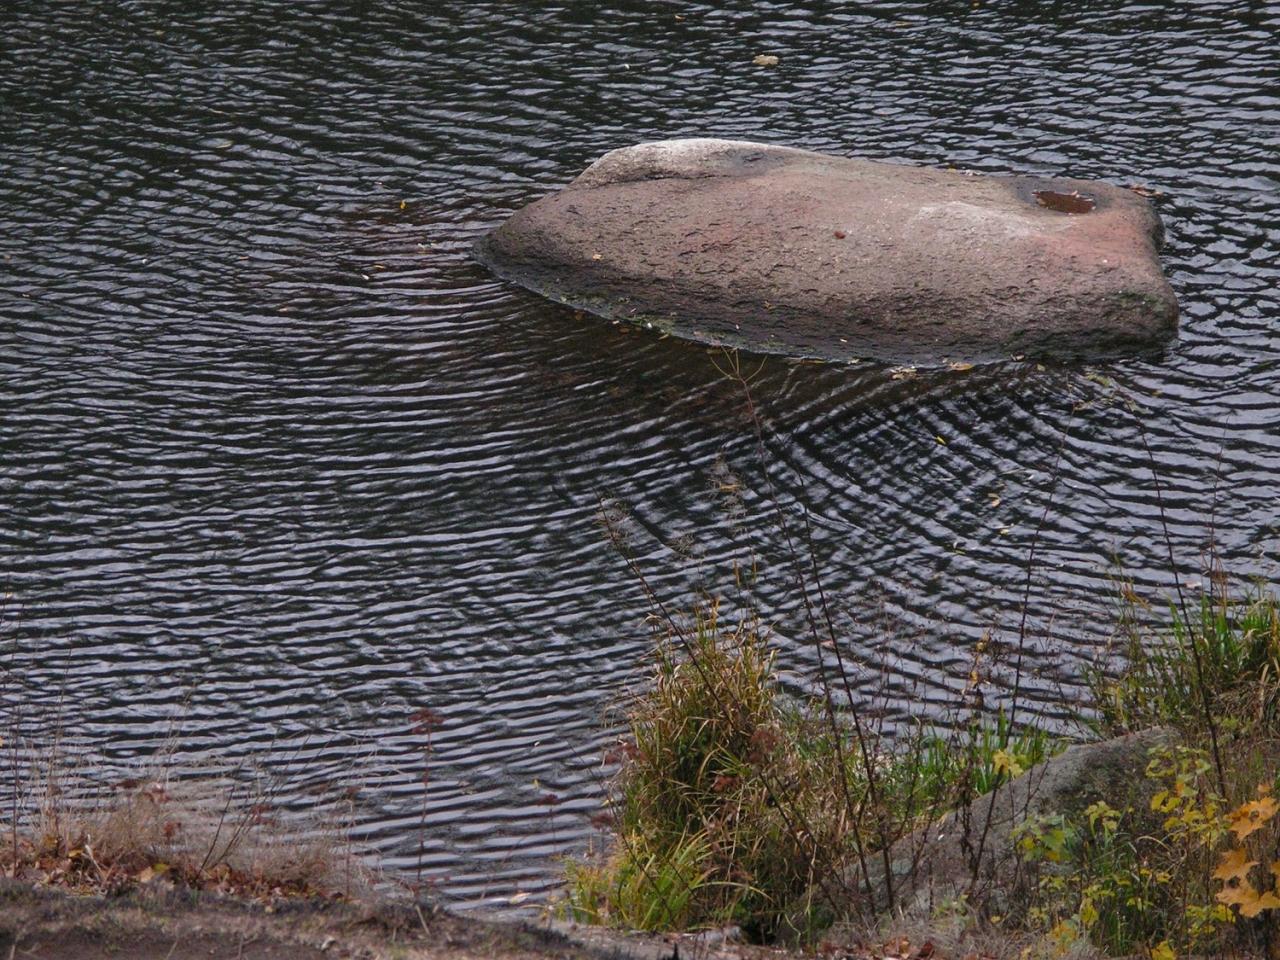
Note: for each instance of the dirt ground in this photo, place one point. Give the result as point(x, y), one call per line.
point(41, 924)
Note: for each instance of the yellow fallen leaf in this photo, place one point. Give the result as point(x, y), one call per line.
point(765, 60)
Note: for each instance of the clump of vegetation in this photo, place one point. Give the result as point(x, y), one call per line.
point(936, 771)
point(201, 835)
point(1126, 880)
point(1190, 869)
point(1170, 878)
point(732, 803)
point(1226, 648)
point(728, 797)
point(735, 804)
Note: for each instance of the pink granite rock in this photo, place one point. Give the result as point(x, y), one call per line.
point(788, 251)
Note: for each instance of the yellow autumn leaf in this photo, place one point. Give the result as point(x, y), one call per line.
point(1064, 934)
point(1248, 818)
point(1163, 951)
point(1005, 763)
point(1088, 914)
point(1238, 895)
point(1234, 865)
point(1255, 905)
point(765, 60)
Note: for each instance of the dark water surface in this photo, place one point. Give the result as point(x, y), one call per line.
point(279, 465)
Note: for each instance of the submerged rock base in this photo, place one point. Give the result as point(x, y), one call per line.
point(787, 251)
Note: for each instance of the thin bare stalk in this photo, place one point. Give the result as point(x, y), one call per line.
point(977, 852)
point(1196, 658)
point(733, 371)
point(425, 722)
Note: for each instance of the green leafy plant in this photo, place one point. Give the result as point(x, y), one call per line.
point(1173, 877)
point(1229, 644)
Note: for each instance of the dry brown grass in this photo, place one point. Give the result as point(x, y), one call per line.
point(198, 833)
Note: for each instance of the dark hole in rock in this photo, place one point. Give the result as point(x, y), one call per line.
point(1073, 202)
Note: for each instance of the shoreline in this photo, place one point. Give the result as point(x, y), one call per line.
point(43, 923)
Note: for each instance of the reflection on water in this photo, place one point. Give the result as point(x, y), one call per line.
point(279, 461)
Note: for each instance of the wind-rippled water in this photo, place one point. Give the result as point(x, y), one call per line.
point(280, 465)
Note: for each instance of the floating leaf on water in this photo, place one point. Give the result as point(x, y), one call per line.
point(765, 60)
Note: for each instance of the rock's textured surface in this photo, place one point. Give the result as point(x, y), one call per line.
point(788, 251)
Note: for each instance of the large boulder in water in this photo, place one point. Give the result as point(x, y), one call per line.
point(787, 251)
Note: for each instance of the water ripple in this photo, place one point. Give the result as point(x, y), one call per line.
point(280, 465)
